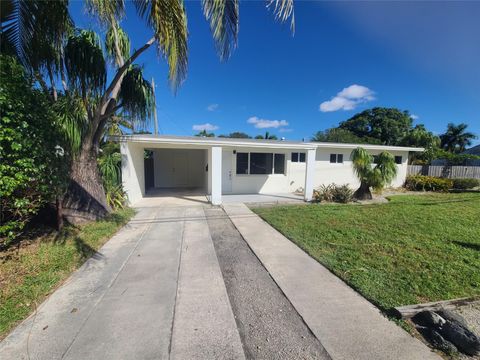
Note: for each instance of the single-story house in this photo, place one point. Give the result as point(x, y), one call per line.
point(219, 166)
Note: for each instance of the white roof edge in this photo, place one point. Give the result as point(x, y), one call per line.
point(258, 143)
point(366, 146)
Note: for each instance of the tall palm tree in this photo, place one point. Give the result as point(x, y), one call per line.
point(377, 176)
point(41, 34)
point(456, 139)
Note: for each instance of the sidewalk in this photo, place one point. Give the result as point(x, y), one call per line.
point(347, 325)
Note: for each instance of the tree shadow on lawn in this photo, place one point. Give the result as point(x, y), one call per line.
point(85, 251)
point(467, 245)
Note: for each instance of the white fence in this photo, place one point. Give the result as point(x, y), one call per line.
point(452, 172)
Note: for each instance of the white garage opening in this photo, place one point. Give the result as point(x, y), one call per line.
point(177, 170)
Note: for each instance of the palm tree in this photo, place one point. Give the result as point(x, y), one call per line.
point(41, 34)
point(377, 176)
point(266, 137)
point(456, 139)
point(204, 133)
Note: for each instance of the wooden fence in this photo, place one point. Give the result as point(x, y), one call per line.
point(452, 172)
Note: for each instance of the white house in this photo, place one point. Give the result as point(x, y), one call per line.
point(219, 166)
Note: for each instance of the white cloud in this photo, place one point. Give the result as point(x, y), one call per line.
point(206, 126)
point(414, 117)
point(213, 107)
point(265, 124)
point(348, 98)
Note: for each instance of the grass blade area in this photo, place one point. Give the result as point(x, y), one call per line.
point(414, 249)
point(30, 273)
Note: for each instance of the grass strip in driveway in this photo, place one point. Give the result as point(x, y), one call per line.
point(413, 249)
point(28, 275)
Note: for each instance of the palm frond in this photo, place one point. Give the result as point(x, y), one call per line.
point(72, 119)
point(109, 12)
point(136, 95)
point(123, 43)
point(385, 170)
point(36, 29)
point(223, 17)
point(168, 20)
point(361, 161)
point(283, 10)
point(85, 63)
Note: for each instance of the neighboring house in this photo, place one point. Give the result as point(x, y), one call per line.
point(219, 166)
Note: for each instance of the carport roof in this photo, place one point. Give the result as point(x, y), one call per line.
point(260, 143)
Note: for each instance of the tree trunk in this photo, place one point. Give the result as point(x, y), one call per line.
point(59, 205)
point(363, 192)
point(85, 199)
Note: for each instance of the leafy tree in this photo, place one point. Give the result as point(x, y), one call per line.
point(33, 159)
point(388, 125)
point(267, 136)
point(205, 133)
point(236, 135)
point(377, 176)
point(419, 136)
point(42, 35)
point(456, 138)
point(339, 135)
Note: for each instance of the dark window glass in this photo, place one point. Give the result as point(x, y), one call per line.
point(333, 158)
point(242, 163)
point(302, 157)
point(398, 159)
point(340, 158)
point(294, 157)
point(375, 159)
point(261, 163)
point(279, 165)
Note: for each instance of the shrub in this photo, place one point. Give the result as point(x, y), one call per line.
point(335, 193)
point(463, 184)
point(31, 152)
point(427, 183)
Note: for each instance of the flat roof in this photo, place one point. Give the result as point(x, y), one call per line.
point(261, 143)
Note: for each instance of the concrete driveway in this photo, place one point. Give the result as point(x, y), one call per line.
point(179, 281)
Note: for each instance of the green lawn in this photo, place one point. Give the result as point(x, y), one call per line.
point(29, 275)
point(414, 249)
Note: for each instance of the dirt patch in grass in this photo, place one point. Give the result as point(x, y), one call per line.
point(31, 271)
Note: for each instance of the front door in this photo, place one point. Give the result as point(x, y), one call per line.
point(227, 172)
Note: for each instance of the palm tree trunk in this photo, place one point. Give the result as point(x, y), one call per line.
point(85, 199)
point(363, 192)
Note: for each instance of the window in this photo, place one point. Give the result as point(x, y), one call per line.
point(298, 157)
point(398, 160)
point(375, 159)
point(242, 163)
point(279, 164)
point(261, 163)
point(336, 158)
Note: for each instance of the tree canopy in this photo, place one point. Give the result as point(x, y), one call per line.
point(339, 135)
point(456, 138)
point(388, 125)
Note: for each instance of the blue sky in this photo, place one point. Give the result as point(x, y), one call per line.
point(344, 57)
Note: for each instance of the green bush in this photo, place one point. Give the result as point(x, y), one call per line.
point(31, 154)
point(464, 184)
point(334, 193)
point(427, 183)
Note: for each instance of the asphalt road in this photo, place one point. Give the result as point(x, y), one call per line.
point(269, 326)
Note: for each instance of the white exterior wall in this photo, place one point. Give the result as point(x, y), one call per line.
point(133, 170)
point(327, 173)
point(179, 168)
point(292, 180)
